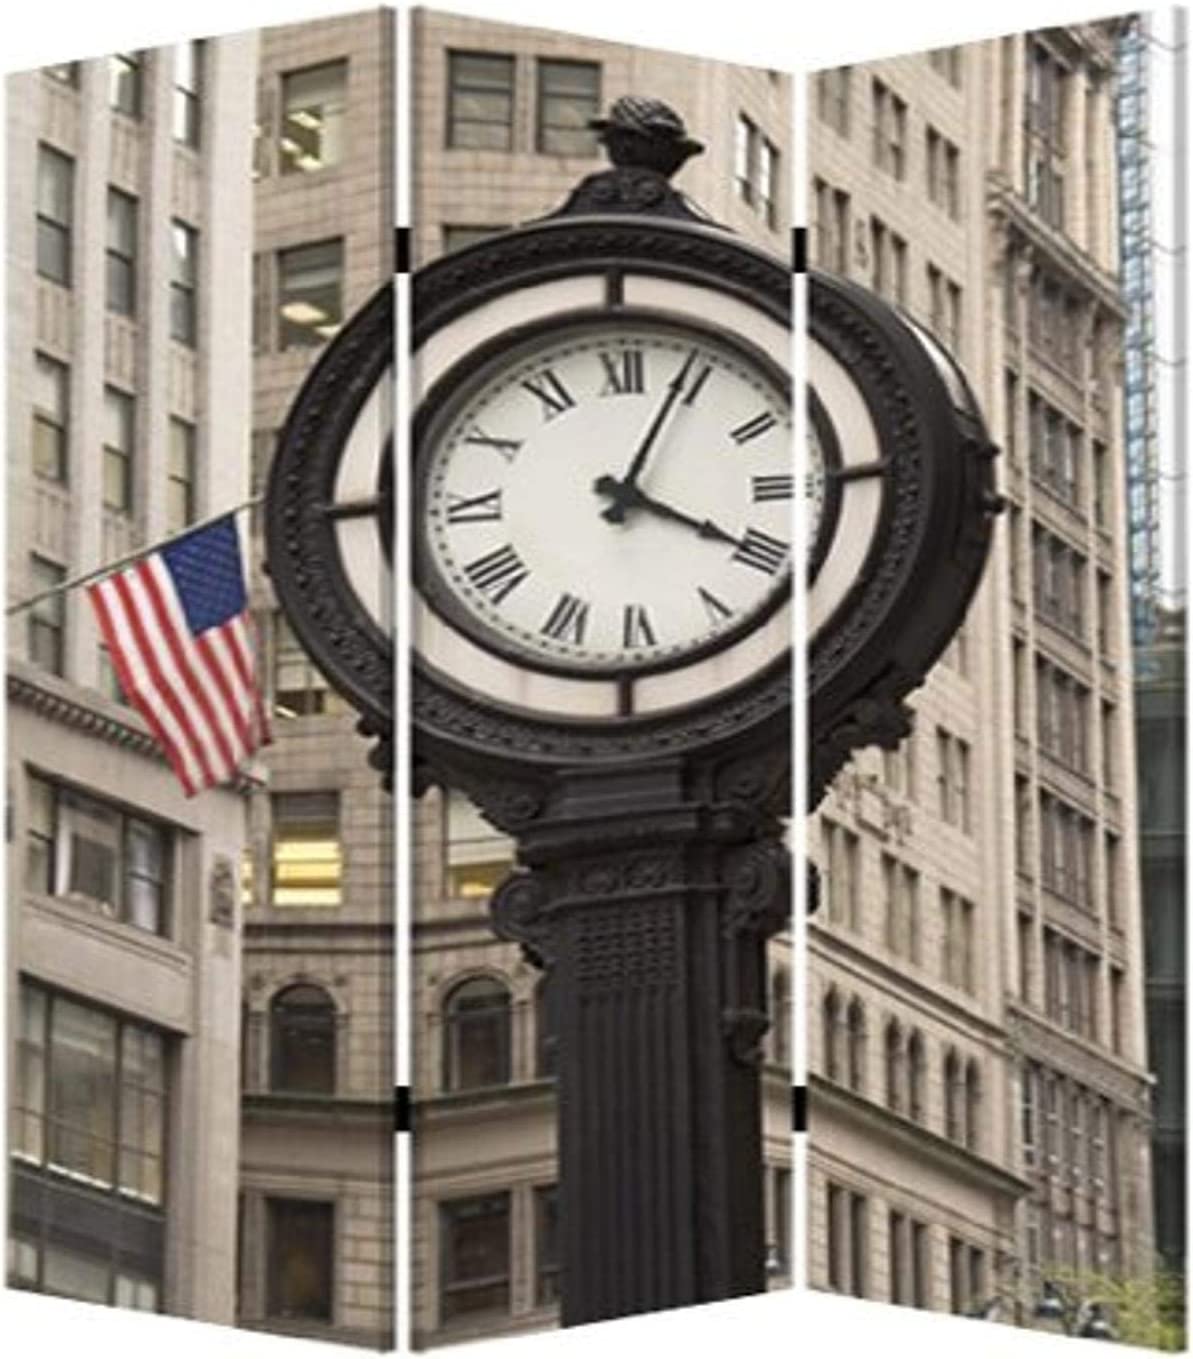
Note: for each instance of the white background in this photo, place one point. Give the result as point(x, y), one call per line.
point(778, 35)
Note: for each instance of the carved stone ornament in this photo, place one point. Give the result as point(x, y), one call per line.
point(222, 892)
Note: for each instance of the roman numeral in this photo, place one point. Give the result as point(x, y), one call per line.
point(508, 448)
point(717, 612)
point(751, 429)
point(761, 551)
point(554, 396)
point(624, 372)
point(476, 509)
point(567, 620)
point(694, 390)
point(635, 627)
point(773, 487)
point(497, 572)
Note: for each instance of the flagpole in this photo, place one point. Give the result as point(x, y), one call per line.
point(76, 581)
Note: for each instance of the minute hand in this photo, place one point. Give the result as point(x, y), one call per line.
point(674, 388)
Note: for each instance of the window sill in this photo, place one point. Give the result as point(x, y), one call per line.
point(82, 910)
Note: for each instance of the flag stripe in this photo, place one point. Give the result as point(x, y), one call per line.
point(177, 625)
point(178, 674)
point(244, 629)
point(138, 611)
point(219, 727)
point(143, 696)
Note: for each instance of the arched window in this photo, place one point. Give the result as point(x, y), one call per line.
point(780, 1016)
point(893, 1055)
point(973, 1103)
point(952, 1096)
point(857, 1046)
point(476, 1035)
point(544, 1040)
point(915, 1076)
point(831, 1029)
point(303, 1041)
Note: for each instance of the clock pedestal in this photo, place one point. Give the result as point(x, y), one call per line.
point(648, 893)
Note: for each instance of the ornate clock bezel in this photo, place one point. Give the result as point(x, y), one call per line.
point(931, 534)
point(439, 408)
point(304, 558)
point(609, 249)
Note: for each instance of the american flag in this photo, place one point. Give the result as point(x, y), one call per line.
point(176, 624)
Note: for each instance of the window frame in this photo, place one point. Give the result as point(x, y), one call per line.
point(119, 456)
point(121, 257)
point(56, 422)
point(457, 87)
point(458, 1021)
point(542, 95)
point(289, 165)
point(48, 616)
point(51, 163)
point(133, 64)
point(188, 432)
point(450, 1212)
point(184, 284)
point(326, 828)
point(294, 335)
point(187, 102)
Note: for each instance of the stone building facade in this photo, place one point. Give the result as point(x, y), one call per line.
point(128, 415)
point(316, 1172)
point(499, 137)
point(979, 1082)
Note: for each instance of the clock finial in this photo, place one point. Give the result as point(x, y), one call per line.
point(647, 143)
point(645, 134)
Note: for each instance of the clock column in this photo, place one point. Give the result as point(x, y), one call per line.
point(648, 894)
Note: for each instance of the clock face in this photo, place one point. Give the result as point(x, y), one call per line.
point(611, 494)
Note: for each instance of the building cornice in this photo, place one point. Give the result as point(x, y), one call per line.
point(89, 712)
point(1115, 1077)
point(914, 1139)
point(1078, 268)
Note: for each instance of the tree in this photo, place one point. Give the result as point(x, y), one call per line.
point(1146, 1311)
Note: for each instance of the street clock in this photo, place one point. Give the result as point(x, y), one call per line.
point(602, 490)
point(900, 501)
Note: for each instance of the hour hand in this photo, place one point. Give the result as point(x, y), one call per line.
point(629, 495)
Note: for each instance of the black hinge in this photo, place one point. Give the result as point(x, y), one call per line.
point(401, 1108)
point(401, 250)
point(799, 1108)
point(799, 250)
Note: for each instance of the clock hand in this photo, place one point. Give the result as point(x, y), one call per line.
point(615, 513)
point(630, 495)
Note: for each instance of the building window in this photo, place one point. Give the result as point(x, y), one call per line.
point(832, 98)
point(943, 165)
point(830, 1035)
point(300, 1244)
point(973, 1104)
point(856, 1033)
point(954, 1097)
point(831, 227)
point(474, 1260)
point(893, 1065)
point(745, 152)
point(303, 1041)
point(66, 73)
point(300, 688)
point(952, 780)
point(51, 417)
point(314, 116)
point(897, 1256)
point(307, 859)
point(55, 214)
point(546, 1049)
point(459, 236)
point(1044, 143)
point(780, 1016)
point(188, 91)
point(901, 890)
point(310, 293)
point(946, 61)
point(478, 857)
point(782, 1220)
point(915, 1076)
point(768, 180)
point(124, 83)
point(90, 1100)
point(889, 121)
point(569, 94)
point(122, 253)
point(47, 619)
point(93, 852)
point(839, 878)
point(184, 283)
point(109, 680)
point(957, 940)
point(848, 1243)
point(180, 487)
point(546, 1245)
point(119, 422)
point(480, 109)
point(476, 1035)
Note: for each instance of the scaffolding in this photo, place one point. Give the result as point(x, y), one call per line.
point(1137, 282)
